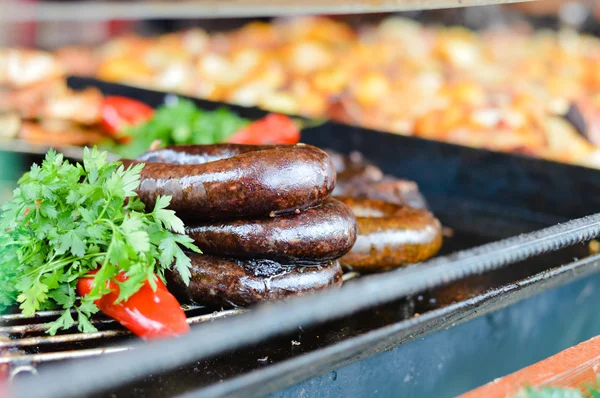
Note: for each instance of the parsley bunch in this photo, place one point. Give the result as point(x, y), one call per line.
point(68, 219)
point(179, 123)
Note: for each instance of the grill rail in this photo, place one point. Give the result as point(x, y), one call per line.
point(24, 343)
point(267, 321)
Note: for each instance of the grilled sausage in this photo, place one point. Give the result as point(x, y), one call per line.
point(325, 232)
point(227, 181)
point(390, 236)
point(229, 283)
point(358, 178)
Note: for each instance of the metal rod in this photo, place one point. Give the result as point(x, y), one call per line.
point(42, 327)
point(215, 315)
point(56, 313)
point(103, 10)
point(269, 320)
point(39, 314)
point(81, 337)
point(56, 356)
point(61, 339)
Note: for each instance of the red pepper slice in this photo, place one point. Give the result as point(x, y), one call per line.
point(272, 129)
point(118, 112)
point(148, 314)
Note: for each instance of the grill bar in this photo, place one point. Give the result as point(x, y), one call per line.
point(61, 355)
point(61, 339)
point(16, 340)
point(41, 327)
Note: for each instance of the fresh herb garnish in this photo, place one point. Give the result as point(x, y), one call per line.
point(68, 219)
point(550, 392)
point(590, 390)
point(181, 123)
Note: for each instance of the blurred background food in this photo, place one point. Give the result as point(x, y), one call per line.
point(524, 78)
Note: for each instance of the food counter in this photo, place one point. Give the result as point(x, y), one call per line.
point(300, 203)
point(513, 89)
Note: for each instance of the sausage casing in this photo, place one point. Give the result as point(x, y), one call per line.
point(319, 234)
point(226, 283)
point(391, 235)
point(359, 178)
point(227, 181)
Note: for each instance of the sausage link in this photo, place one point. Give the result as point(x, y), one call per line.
point(200, 154)
point(226, 181)
point(229, 283)
point(359, 178)
point(319, 234)
point(390, 235)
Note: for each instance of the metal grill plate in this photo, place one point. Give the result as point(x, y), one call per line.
point(24, 343)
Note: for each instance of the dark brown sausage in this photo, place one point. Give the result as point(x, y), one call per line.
point(200, 154)
point(389, 189)
point(325, 232)
point(358, 178)
point(390, 236)
point(228, 283)
point(237, 180)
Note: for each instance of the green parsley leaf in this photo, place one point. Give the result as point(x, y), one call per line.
point(65, 321)
point(179, 124)
point(66, 220)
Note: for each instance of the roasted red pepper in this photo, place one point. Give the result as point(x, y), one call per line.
point(272, 129)
point(118, 112)
point(148, 314)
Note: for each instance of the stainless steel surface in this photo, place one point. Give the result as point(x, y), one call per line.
point(58, 11)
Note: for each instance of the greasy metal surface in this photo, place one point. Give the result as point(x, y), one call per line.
point(61, 11)
point(270, 320)
point(26, 343)
point(458, 358)
point(339, 355)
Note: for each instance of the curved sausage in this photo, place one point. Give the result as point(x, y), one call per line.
point(227, 181)
point(390, 235)
point(359, 178)
point(389, 189)
point(325, 232)
point(227, 283)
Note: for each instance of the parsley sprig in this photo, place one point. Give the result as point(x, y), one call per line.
point(68, 219)
point(178, 123)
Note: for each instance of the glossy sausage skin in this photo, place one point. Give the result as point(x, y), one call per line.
point(358, 178)
point(227, 181)
point(323, 233)
point(229, 283)
point(390, 235)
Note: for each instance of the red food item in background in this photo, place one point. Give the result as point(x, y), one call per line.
point(148, 314)
point(272, 129)
point(118, 112)
point(3, 375)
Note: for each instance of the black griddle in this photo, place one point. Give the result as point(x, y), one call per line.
point(482, 196)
